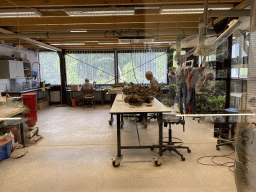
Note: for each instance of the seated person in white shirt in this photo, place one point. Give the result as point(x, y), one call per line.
point(87, 86)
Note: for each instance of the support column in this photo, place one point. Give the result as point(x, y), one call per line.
point(227, 64)
point(63, 76)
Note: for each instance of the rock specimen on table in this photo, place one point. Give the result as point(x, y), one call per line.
point(137, 95)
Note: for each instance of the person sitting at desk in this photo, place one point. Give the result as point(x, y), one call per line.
point(87, 86)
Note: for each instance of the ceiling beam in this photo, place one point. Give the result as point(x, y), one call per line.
point(77, 40)
point(241, 5)
point(105, 20)
point(104, 26)
point(106, 34)
point(74, 3)
point(40, 44)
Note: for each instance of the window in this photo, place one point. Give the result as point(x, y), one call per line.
point(132, 66)
point(50, 67)
point(98, 67)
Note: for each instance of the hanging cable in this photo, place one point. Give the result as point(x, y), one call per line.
point(139, 66)
point(90, 65)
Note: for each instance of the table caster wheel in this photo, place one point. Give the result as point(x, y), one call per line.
point(217, 148)
point(115, 164)
point(183, 159)
point(189, 151)
point(152, 148)
point(156, 164)
point(116, 161)
point(145, 126)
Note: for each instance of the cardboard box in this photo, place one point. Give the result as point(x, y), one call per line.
point(74, 87)
point(42, 105)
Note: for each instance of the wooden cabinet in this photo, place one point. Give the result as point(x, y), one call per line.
point(11, 69)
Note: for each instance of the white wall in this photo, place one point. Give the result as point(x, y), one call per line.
point(29, 55)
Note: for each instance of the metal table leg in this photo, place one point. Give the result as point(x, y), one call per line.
point(122, 121)
point(102, 96)
point(116, 161)
point(158, 160)
point(22, 131)
point(112, 98)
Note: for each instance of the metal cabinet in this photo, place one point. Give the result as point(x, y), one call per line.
point(11, 69)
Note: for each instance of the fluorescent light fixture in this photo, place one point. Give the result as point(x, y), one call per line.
point(193, 9)
point(19, 13)
point(100, 11)
point(78, 31)
point(68, 44)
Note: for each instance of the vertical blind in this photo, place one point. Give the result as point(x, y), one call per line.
point(96, 66)
point(50, 67)
point(133, 64)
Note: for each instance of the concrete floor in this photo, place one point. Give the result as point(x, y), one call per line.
point(75, 155)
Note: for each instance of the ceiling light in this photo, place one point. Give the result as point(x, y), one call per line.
point(19, 13)
point(100, 11)
point(193, 9)
point(78, 31)
point(68, 44)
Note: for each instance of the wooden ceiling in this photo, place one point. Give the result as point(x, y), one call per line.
point(54, 26)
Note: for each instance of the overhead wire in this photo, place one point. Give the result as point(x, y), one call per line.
point(132, 63)
point(139, 66)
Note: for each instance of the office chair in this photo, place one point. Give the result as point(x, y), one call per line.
point(89, 94)
point(171, 145)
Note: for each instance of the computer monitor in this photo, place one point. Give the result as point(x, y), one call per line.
point(243, 73)
point(234, 73)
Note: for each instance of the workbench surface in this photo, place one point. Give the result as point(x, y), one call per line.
point(119, 106)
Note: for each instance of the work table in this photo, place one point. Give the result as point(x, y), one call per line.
point(25, 91)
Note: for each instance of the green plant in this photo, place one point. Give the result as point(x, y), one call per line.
point(208, 101)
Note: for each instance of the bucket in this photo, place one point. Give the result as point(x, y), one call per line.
point(30, 100)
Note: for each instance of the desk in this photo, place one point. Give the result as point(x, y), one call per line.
point(119, 108)
point(96, 90)
point(6, 112)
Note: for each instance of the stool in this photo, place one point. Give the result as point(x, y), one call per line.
point(171, 145)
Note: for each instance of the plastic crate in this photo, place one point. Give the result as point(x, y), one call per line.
point(5, 149)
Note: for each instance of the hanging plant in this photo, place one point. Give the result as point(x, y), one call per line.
point(204, 50)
